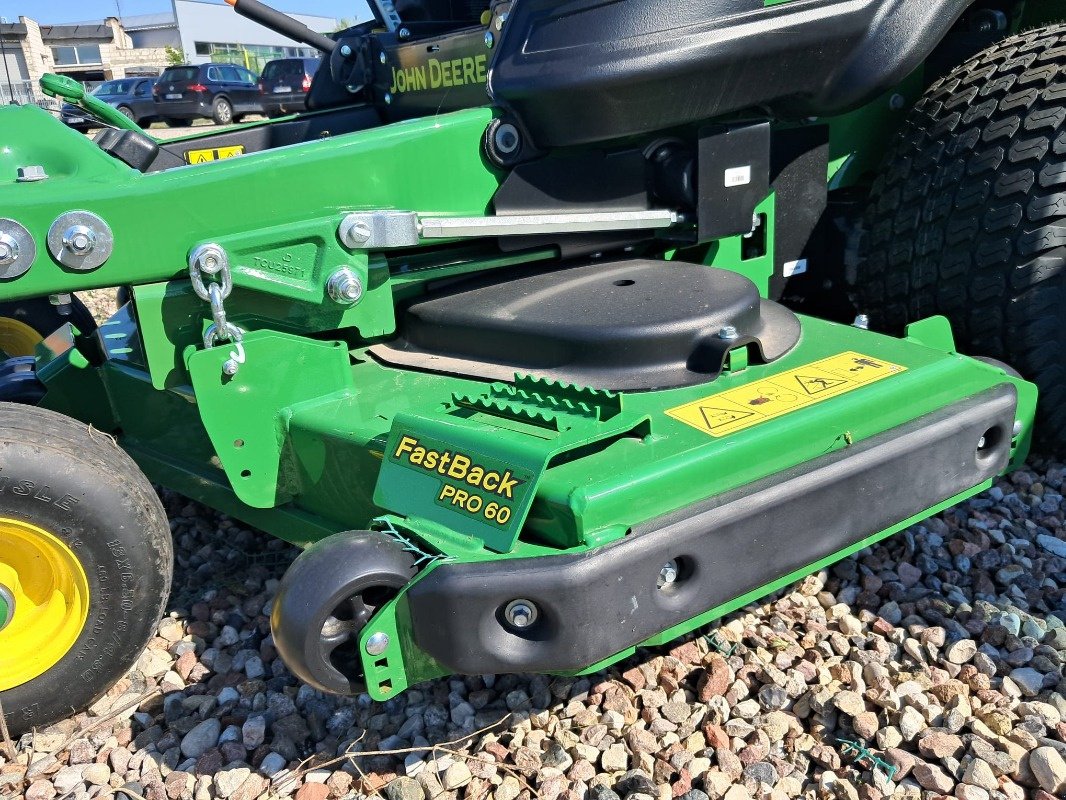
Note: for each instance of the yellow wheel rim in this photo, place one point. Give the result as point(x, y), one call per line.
point(17, 338)
point(44, 601)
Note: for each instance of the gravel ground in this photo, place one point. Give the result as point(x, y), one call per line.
point(939, 652)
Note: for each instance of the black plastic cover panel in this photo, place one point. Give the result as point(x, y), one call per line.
point(581, 71)
point(626, 325)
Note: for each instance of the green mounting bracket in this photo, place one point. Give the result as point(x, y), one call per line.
point(246, 413)
point(70, 89)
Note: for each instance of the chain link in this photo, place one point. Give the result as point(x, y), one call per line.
point(211, 260)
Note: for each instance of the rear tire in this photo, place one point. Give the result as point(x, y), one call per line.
point(81, 526)
point(968, 218)
point(127, 112)
point(222, 112)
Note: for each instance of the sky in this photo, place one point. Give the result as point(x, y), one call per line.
point(54, 11)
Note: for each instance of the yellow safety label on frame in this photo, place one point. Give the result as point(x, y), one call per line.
point(740, 408)
point(213, 154)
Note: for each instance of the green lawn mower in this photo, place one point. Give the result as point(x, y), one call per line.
point(550, 330)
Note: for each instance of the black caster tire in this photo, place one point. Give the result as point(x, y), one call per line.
point(222, 112)
point(968, 216)
point(326, 599)
point(85, 565)
point(24, 323)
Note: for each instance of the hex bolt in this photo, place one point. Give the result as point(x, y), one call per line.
point(388, 98)
point(521, 613)
point(230, 367)
point(79, 240)
point(344, 287)
point(209, 258)
point(404, 33)
point(383, 58)
point(7, 606)
point(62, 303)
point(500, 20)
point(353, 231)
point(506, 138)
point(667, 574)
point(490, 40)
point(9, 250)
point(728, 332)
point(377, 643)
point(30, 174)
point(862, 321)
point(346, 50)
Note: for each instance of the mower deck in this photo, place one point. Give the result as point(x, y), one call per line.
point(570, 498)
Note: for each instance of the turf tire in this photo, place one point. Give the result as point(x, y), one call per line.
point(968, 217)
point(119, 533)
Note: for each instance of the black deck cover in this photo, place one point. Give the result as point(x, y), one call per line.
point(632, 325)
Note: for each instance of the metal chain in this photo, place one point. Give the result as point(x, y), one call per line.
point(211, 259)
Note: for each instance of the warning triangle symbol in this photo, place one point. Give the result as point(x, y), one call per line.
point(716, 417)
point(813, 384)
point(200, 158)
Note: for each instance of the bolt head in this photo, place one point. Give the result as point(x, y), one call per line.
point(79, 240)
point(346, 50)
point(1017, 429)
point(490, 40)
point(9, 250)
point(388, 98)
point(345, 287)
point(354, 232)
point(728, 332)
point(230, 367)
point(506, 138)
point(667, 574)
point(404, 33)
point(862, 321)
point(30, 174)
point(377, 643)
point(383, 58)
point(520, 613)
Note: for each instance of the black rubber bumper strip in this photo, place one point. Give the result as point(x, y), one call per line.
point(595, 604)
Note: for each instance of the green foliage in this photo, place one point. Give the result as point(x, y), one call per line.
point(174, 56)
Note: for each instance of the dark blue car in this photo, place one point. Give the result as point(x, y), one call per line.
point(131, 96)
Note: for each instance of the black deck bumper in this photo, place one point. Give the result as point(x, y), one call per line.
point(595, 604)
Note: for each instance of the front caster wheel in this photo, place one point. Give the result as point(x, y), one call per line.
point(326, 599)
point(85, 565)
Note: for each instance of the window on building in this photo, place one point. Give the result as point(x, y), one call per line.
point(203, 48)
point(76, 56)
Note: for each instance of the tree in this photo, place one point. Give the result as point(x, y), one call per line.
point(174, 56)
point(343, 24)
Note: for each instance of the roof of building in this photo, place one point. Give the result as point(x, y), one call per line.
point(13, 29)
point(87, 31)
point(145, 22)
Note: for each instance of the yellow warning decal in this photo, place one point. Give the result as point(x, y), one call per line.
point(213, 154)
point(740, 408)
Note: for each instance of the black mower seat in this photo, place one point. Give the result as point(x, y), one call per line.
point(583, 71)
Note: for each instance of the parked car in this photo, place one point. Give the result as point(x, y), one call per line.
point(284, 84)
point(131, 96)
point(222, 92)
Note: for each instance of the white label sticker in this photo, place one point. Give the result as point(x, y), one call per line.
point(738, 176)
point(791, 268)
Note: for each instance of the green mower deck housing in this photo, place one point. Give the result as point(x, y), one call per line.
point(539, 376)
